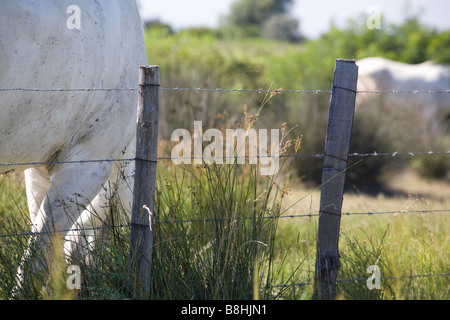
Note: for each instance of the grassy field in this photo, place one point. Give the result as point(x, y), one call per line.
point(406, 243)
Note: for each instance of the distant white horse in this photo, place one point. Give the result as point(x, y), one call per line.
point(382, 74)
point(46, 44)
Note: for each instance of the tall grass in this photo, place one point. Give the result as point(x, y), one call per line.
point(217, 230)
point(215, 256)
point(411, 252)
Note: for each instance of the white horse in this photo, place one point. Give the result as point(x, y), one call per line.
point(50, 44)
point(386, 75)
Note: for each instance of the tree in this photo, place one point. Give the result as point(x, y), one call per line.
point(281, 27)
point(269, 17)
point(256, 12)
point(158, 24)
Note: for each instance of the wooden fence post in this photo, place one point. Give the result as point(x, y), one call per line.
point(340, 123)
point(145, 179)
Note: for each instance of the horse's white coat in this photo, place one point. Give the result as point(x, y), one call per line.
point(38, 50)
point(383, 74)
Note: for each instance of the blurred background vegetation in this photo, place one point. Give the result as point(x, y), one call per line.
point(259, 45)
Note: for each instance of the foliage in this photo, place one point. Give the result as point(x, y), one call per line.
point(410, 42)
point(159, 25)
point(267, 18)
point(256, 12)
point(228, 62)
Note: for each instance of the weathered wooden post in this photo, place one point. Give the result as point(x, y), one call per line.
point(340, 124)
point(145, 179)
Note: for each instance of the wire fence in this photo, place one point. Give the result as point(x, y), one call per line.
point(221, 90)
point(260, 90)
point(358, 280)
point(291, 216)
point(296, 156)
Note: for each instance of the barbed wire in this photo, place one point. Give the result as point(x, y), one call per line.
point(25, 164)
point(296, 156)
point(208, 220)
point(245, 90)
point(260, 90)
point(306, 91)
point(399, 154)
point(372, 154)
point(443, 274)
point(406, 91)
point(67, 90)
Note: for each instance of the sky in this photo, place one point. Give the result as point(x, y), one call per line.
point(315, 16)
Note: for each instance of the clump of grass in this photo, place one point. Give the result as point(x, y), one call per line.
point(356, 258)
point(13, 221)
point(409, 251)
point(216, 230)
